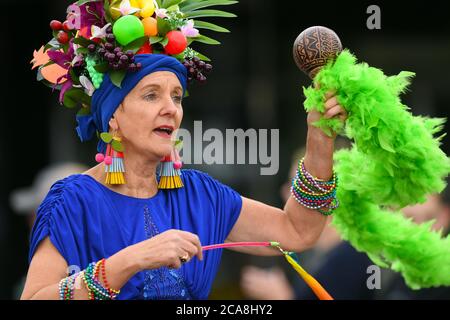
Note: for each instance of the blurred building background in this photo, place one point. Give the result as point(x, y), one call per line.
point(255, 84)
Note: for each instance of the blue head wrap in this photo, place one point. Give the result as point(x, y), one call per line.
point(108, 97)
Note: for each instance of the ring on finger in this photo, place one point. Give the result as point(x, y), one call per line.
point(184, 258)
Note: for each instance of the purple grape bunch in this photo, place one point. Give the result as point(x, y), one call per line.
point(197, 69)
point(113, 54)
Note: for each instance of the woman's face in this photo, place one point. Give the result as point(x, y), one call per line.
point(149, 115)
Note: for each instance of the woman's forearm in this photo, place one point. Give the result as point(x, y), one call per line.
point(119, 269)
point(308, 223)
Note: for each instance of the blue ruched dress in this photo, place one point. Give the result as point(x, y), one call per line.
point(86, 221)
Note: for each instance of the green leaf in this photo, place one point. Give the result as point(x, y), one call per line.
point(74, 77)
point(165, 42)
point(154, 40)
point(82, 50)
point(163, 26)
point(136, 44)
point(65, 47)
point(83, 41)
point(73, 97)
point(47, 64)
point(169, 3)
point(51, 44)
point(207, 40)
point(102, 67)
point(106, 137)
point(117, 77)
point(116, 145)
point(179, 56)
point(85, 99)
point(209, 26)
point(81, 2)
point(158, 51)
point(175, 8)
point(186, 94)
point(202, 57)
point(189, 6)
point(209, 13)
point(84, 111)
point(107, 9)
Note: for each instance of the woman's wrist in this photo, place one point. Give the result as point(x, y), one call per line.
point(319, 153)
point(132, 260)
point(122, 266)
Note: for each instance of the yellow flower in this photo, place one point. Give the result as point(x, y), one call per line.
point(147, 7)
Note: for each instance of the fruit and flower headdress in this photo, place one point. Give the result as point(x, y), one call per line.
point(102, 37)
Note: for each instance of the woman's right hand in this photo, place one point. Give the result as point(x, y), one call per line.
point(166, 250)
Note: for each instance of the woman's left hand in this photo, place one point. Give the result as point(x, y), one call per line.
point(332, 110)
point(320, 146)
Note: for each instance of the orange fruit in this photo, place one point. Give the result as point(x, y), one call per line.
point(53, 72)
point(150, 26)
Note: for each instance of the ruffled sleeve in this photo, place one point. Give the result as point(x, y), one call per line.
point(56, 219)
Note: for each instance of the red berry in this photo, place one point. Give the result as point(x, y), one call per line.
point(62, 37)
point(56, 25)
point(177, 42)
point(66, 26)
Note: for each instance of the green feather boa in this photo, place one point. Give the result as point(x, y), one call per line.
point(395, 161)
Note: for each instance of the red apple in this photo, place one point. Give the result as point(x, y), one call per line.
point(177, 42)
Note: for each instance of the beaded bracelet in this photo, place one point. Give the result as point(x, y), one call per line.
point(96, 291)
point(101, 264)
point(314, 193)
point(67, 286)
point(62, 288)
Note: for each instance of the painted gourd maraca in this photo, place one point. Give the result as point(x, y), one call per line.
point(314, 47)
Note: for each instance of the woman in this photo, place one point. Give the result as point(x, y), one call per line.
point(145, 242)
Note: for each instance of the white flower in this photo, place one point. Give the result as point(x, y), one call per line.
point(98, 32)
point(88, 86)
point(77, 59)
point(126, 8)
point(161, 13)
point(189, 31)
